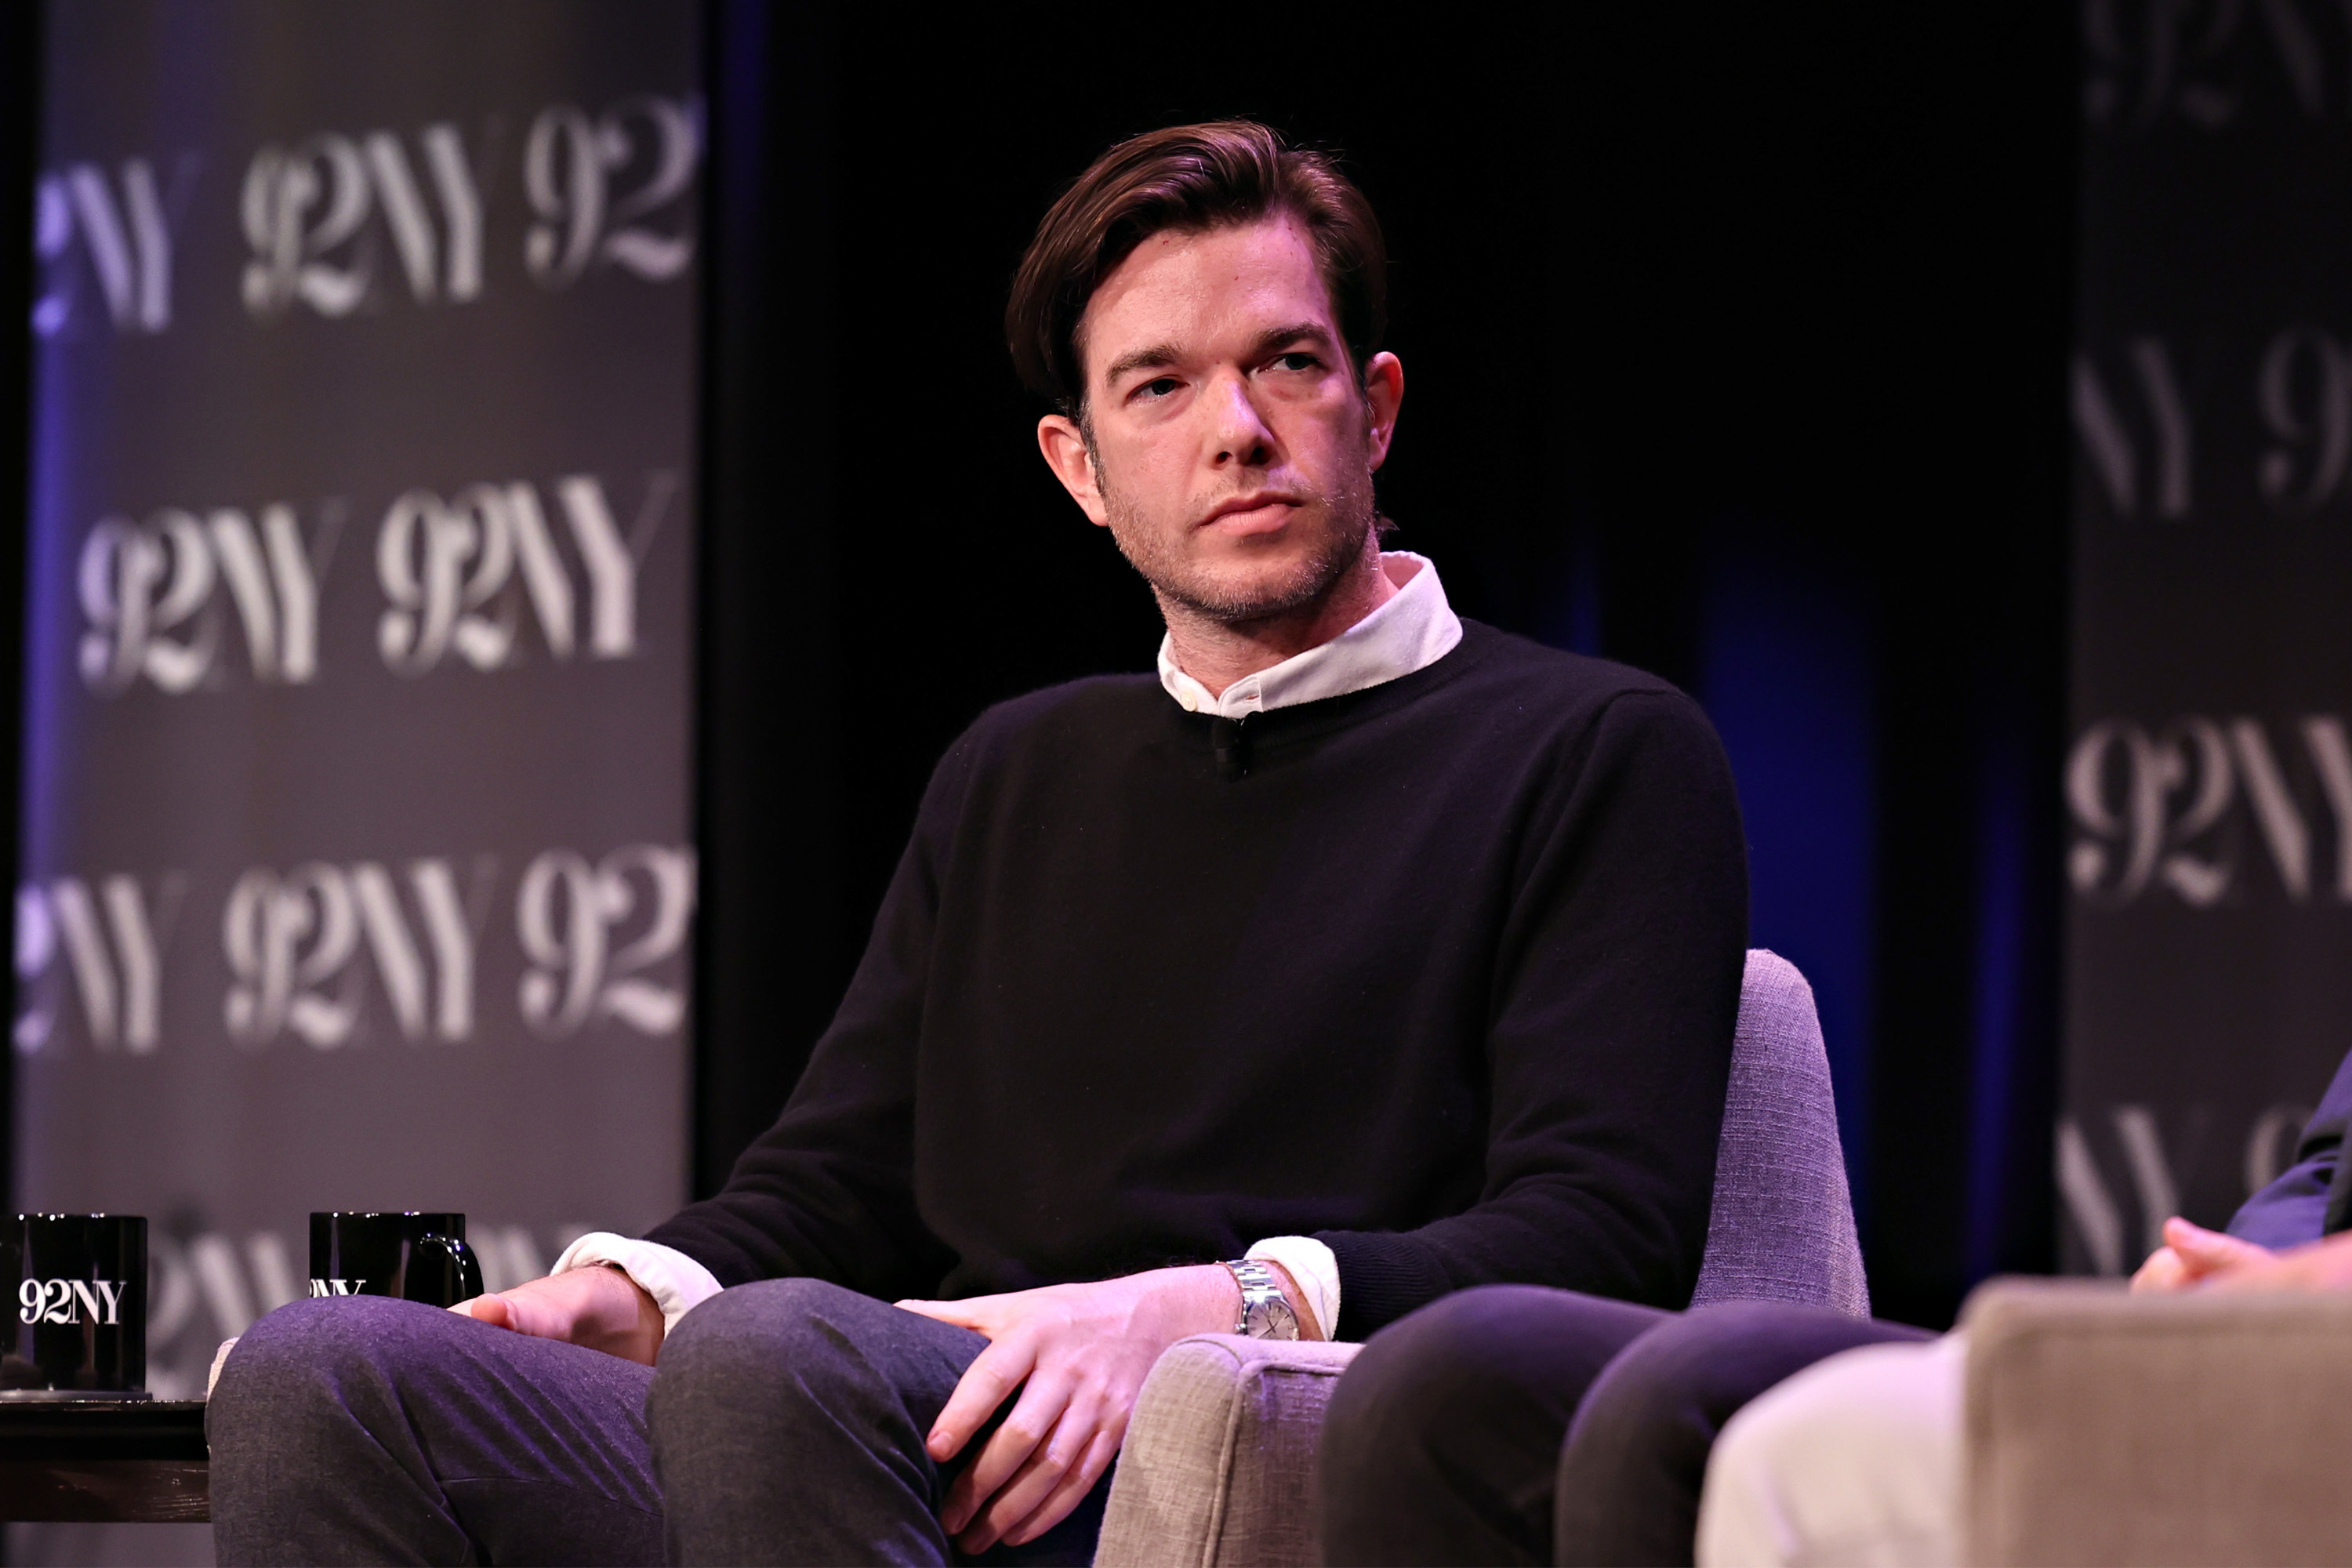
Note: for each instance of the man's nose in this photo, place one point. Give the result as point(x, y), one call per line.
point(1239, 431)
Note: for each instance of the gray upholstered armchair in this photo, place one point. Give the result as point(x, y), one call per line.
point(2106, 1427)
point(1219, 1466)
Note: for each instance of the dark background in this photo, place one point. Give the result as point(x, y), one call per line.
point(1734, 341)
point(20, 61)
point(1736, 344)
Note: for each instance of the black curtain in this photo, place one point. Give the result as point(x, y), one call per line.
point(778, 911)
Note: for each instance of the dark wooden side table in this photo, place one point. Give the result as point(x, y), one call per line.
point(141, 1461)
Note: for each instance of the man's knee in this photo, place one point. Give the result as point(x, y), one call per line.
point(1488, 1359)
point(1451, 1357)
point(1629, 1472)
point(775, 1354)
point(766, 1389)
point(1681, 1381)
point(762, 1336)
point(316, 1372)
point(328, 1347)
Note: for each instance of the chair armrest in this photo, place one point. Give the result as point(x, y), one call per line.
point(2106, 1427)
point(1219, 1465)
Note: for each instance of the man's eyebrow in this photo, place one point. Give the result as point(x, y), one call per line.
point(1304, 331)
point(1158, 354)
point(1162, 354)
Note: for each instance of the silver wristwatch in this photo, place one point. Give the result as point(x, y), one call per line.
point(1265, 1311)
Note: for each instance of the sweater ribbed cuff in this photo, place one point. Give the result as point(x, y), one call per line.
point(1383, 1276)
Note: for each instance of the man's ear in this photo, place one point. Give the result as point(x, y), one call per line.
point(1064, 446)
point(1384, 395)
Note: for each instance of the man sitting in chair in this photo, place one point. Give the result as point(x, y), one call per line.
point(1361, 956)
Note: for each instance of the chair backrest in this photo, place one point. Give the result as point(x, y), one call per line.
point(1782, 1228)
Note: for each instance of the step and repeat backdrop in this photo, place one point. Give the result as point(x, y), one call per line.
point(356, 865)
point(2210, 777)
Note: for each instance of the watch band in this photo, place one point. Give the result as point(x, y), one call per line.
point(1266, 1312)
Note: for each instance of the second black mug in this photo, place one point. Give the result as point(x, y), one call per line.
point(416, 1257)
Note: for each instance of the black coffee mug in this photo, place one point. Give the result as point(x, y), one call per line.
point(416, 1257)
point(80, 1326)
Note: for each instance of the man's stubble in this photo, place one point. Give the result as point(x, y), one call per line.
point(1343, 521)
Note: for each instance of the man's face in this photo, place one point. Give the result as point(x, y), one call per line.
point(1227, 447)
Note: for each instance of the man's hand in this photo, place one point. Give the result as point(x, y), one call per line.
point(599, 1307)
point(1082, 1351)
point(2323, 1265)
point(2191, 1254)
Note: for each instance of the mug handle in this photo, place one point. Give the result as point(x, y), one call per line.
point(461, 1267)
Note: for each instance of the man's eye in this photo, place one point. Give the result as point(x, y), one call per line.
point(1159, 386)
point(1297, 359)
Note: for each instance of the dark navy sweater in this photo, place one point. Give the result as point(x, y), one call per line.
point(1443, 973)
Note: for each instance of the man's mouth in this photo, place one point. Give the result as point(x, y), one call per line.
point(1261, 512)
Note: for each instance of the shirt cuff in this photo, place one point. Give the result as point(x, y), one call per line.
point(1314, 1266)
point(677, 1283)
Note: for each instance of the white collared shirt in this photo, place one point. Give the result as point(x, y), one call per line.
point(1411, 630)
point(1414, 628)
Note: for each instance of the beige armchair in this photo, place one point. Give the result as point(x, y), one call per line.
point(2110, 1428)
point(1219, 1465)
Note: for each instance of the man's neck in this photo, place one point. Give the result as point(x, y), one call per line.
point(1219, 653)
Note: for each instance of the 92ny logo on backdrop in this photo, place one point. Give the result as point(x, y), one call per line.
point(2170, 809)
point(330, 956)
point(2208, 64)
point(458, 576)
point(2139, 429)
point(338, 223)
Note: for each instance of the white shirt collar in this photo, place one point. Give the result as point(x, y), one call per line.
point(1413, 629)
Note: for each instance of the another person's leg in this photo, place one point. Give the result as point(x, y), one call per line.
point(788, 1423)
point(1442, 1437)
point(1854, 1463)
point(1630, 1473)
point(364, 1429)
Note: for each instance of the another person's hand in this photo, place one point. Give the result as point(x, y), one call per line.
point(1082, 1351)
point(599, 1307)
point(2192, 1254)
point(2322, 1265)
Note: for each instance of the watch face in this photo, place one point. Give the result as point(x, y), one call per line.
point(1273, 1320)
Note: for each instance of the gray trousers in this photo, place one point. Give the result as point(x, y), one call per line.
point(784, 1424)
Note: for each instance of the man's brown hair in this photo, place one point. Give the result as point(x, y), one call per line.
point(1192, 178)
